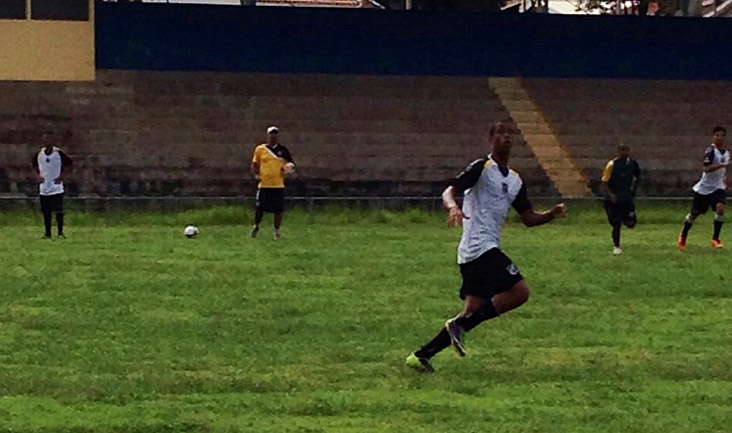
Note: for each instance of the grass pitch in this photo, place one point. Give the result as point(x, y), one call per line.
point(127, 326)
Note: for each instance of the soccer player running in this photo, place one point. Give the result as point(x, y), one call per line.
point(619, 183)
point(51, 163)
point(492, 284)
point(270, 163)
point(709, 191)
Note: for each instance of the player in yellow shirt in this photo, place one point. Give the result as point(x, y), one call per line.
point(270, 163)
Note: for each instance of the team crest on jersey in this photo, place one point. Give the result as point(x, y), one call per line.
point(512, 269)
point(505, 188)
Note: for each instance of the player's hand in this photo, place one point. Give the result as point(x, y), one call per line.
point(455, 218)
point(288, 168)
point(613, 198)
point(40, 178)
point(559, 210)
point(58, 180)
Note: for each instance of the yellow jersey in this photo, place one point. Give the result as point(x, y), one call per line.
point(271, 160)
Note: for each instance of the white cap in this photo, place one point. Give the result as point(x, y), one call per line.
point(272, 129)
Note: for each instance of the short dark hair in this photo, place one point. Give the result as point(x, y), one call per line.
point(494, 126)
point(718, 129)
point(622, 146)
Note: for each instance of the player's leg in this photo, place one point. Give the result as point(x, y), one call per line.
point(278, 207)
point(451, 333)
point(479, 312)
point(58, 207)
point(277, 223)
point(258, 213)
point(470, 293)
point(718, 221)
point(629, 217)
point(698, 207)
point(47, 215)
point(629, 220)
point(616, 237)
point(474, 307)
point(498, 288)
point(613, 217)
point(500, 303)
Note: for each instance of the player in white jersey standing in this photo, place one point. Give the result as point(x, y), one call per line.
point(51, 164)
point(492, 284)
point(709, 191)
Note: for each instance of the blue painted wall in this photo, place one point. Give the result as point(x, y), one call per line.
point(310, 40)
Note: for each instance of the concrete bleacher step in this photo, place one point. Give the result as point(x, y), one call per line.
point(566, 176)
point(667, 123)
point(183, 132)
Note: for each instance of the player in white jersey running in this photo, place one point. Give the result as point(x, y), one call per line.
point(709, 192)
point(492, 284)
point(51, 164)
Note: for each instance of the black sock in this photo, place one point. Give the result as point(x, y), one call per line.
point(441, 341)
point(717, 229)
point(47, 219)
point(486, 312)
point(616, 235)
point(60, 222)
point(685, 231)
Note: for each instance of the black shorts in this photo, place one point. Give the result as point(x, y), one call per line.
point(622, 212)
point(490, 274)
point(704, 202)
point(271, 200)
point(52, 203)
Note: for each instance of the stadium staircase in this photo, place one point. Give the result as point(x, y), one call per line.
point(668, 124)
point(553, 156)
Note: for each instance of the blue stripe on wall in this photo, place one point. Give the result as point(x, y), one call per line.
point(313, 40)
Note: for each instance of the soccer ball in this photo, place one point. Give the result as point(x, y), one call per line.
point(191, 231)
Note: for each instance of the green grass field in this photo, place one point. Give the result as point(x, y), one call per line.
point(127, 326)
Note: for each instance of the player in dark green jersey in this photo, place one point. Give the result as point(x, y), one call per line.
point(619, 183)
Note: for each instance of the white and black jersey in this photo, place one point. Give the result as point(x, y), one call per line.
point(712, 181)
point(50, 166)
point(490, 190)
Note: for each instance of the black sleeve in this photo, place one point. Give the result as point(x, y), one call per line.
point(521, 203)
point(35, 161)
point(286, 154)
point(469, 177)
point(709, 157)
point(636, 171)
point(65, 160)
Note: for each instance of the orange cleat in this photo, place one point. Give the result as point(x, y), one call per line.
point(717, 244)
point(681, 243)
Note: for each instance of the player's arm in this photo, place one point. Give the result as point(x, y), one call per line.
point(66, 164)
point(37, 170)
point(465, 180)
point(709, 164)
point(254, 166)
point(289, 166)
point(636, 179)
point(605, 185)
point(455, 217)
point(531, 218)
point(714, 167)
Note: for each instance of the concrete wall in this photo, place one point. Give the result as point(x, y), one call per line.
point(143, 133)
